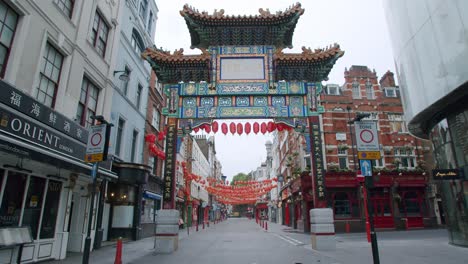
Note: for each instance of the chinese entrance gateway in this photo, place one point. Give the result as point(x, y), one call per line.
point(242, 72)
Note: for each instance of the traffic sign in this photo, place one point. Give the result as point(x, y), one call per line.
point(367, 138)
point(96, 146)
point(370, 155)
point(366, 167)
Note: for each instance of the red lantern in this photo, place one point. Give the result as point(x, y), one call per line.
point(161, 135)
point(240, 129)
point(232, 127)
point(215, 127)
point(247, 128)
point(270, 126)
point(207, 129)
point(196, 129)
point(224, 128)
point(150, 138)
point(280, 127)
point(256, 127)
point(263, 128)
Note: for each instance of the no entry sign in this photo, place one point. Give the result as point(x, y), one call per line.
point(96, 143)
point(367, 138)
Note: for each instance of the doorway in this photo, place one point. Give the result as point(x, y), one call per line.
point(77, 222)
point(382, 210)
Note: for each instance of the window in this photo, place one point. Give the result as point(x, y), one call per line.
point(369, 90)
point(411, 204)
point(88, 103)
point(138, 96)
point(148, 210)
point(150, 23)
point(151, 163)
point(158, 87)
point(143, 7)
point(405, 158)
point(137, 42)
point(51, 66)
point(345, 205)
point(378, 163)
point(125, 83)
point(356, 90)
point(33, 204)
point(8, 21)
point(390, 92)
point(156, 118)
point(99, 34)
point(333, 90)
point(66, 6)
point(134, 146)
point(397, 123)
point(12, 200)
point(118, 143)
point(51, 205)
point(343, 158)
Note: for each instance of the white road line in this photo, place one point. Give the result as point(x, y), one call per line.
point(295, 240)
point(289, 240)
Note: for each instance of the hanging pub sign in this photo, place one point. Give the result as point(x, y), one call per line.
point(317, 158)
point(446, 174)
point(170, 165)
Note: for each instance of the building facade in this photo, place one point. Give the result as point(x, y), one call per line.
point(435, 91)
point(56, 70)
point(400, 195)
point(131, 82)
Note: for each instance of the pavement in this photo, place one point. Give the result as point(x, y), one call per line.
point(239, 241)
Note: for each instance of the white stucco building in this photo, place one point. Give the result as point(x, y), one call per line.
point(56, 71)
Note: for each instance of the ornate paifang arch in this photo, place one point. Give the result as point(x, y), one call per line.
point(242, 72)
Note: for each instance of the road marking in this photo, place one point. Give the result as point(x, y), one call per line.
point(290, 240)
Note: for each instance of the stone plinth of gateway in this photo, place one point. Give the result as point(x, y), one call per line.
point(322, 229)
point(167, 231)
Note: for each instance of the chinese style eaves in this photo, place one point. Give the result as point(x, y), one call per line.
point(242, 71)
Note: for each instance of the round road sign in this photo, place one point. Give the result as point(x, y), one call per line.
point(366, 136)
point(96, 139)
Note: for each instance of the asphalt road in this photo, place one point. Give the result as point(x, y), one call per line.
point(242, 241)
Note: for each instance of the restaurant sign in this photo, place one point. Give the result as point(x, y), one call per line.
point(20, 126)
point(447, 174)
point(169, 165)
point(317, 158)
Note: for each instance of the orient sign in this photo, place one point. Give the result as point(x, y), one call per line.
point(450, 174)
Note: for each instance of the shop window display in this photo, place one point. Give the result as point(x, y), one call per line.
point(12, 200)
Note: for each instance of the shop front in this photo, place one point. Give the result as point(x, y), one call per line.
point(398, 201)
point(44, 183)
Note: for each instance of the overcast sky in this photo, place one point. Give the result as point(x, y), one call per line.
point(358, 26)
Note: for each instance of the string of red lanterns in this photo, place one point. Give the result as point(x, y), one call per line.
point(153, 149)
point(240, 128)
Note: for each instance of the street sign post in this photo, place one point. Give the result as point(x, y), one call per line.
point(366, 168)
point(95, 149)
point(369, 155)
point(367, 138)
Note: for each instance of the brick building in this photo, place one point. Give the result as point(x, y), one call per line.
point(154, 124)
point(400, 197)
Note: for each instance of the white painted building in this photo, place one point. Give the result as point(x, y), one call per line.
point(56, 72)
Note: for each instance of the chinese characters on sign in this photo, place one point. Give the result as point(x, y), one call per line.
point(25, 104)
point(317, 158)
point(169, 168)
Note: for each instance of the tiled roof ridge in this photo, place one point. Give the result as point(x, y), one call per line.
point(177, 55)
point(308, 54)
point(219, 15)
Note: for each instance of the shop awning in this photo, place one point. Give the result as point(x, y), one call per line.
point(45, 155)
point(152, 195)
